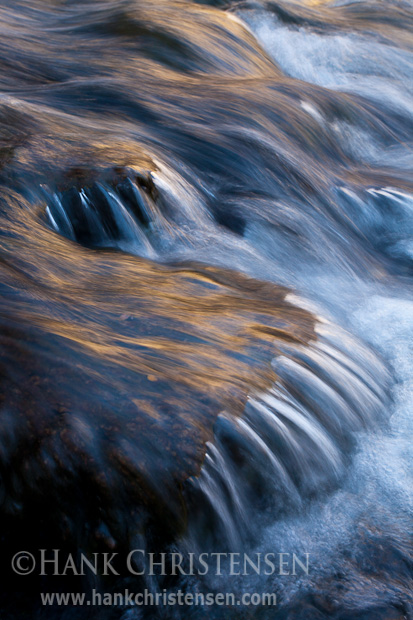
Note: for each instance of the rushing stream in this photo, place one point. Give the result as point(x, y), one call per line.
point(206, 311)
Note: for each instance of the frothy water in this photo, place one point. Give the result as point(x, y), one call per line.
point(206, 316)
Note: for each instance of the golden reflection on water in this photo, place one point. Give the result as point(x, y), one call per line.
point(126, 363)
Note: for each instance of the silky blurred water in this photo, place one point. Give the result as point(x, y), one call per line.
point(206, 316)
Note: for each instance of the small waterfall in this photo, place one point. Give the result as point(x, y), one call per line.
point(291, 443)
point(119, 220)
point(205, 297)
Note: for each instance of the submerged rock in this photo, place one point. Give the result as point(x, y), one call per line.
point(142, 401)
point(113, 374)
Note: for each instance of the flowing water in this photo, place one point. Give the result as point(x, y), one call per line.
point(206, 316)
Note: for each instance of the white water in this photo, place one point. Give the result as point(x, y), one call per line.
point(349, 62)
point(374, 507)
point(370, 513)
